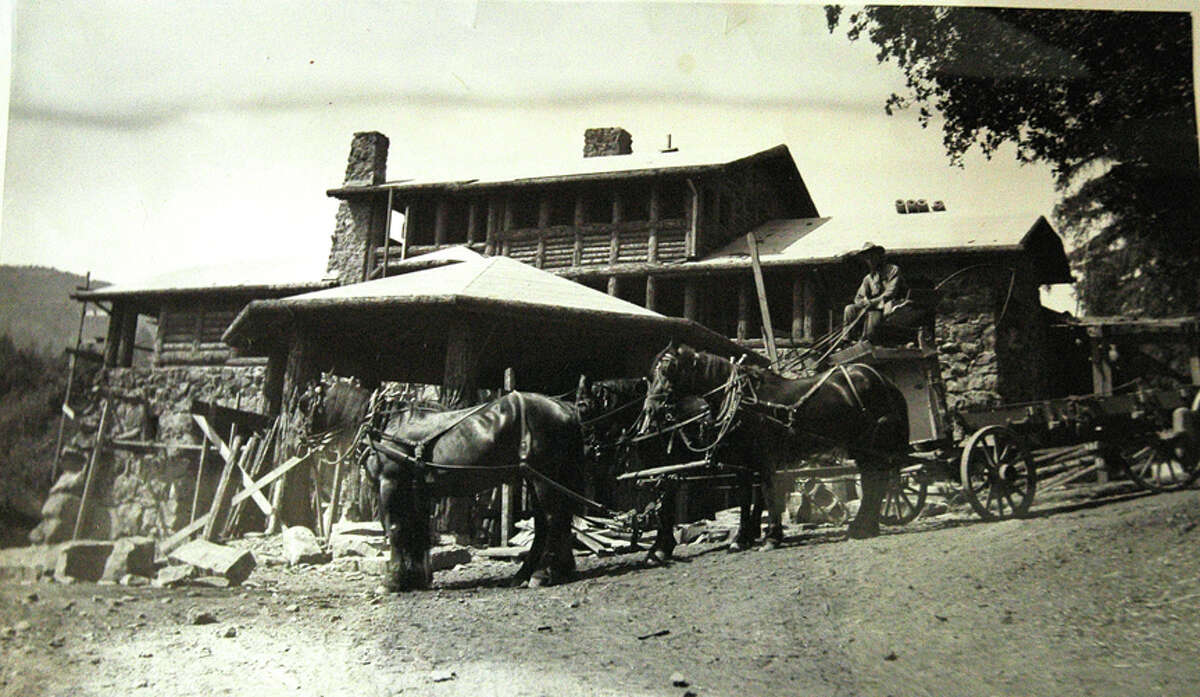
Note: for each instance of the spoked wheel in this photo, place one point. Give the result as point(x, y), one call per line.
point(997, 473)
point(904, 498)
point(1162, 464)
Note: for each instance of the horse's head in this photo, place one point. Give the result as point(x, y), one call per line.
point(403, 510)
point(665, 375)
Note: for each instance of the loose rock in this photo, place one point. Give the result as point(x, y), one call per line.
point(199, 616)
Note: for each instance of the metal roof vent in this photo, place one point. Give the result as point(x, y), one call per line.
point(919, 205)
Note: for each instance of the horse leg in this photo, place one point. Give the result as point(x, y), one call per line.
point(536, 549)
point(558, 561)
point(866, 523)
point(407, 530)
point(748, 528)
point(774, 536)
point(664, 542)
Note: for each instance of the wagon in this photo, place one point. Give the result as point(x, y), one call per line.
point(1000, 456)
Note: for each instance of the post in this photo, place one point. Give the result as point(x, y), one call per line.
point(1101, 368)
point(112, 341)
point(215, 524)
point(760, 286)
point(651, 300)
point(691, 300)
point(404, 234)
point(798, 307)
point(472, 221)
point(66, 405)
point(810, 305)
point(614, 286)
point(743, 319)
point(387, 236)
point(489, 248)
point(439, 223)
point(506, 490)
point(128, 337)
point(93, 463)
point(199, 478)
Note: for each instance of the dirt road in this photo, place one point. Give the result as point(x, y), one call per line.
point(1087, 598)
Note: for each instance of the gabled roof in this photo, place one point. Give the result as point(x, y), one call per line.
point(817, 240)
point(238, 276)
point(687, 162)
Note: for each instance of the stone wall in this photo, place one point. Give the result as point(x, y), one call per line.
point(991, 340)
point(146, 493)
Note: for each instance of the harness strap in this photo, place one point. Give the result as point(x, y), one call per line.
point(526, 445)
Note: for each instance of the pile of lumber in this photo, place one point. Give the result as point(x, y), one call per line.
point(593, 535)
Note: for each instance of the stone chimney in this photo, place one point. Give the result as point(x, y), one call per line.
point(361, 219)
point(367, 164)
point(601, 142)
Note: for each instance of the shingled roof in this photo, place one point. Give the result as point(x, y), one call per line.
point(496, 287)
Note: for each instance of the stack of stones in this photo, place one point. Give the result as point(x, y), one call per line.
point(61, 509)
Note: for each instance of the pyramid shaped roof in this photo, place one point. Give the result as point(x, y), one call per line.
point(498, 280)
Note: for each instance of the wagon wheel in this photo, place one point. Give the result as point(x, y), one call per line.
point(997, 472)
point(1162, 464)
point(904, 498)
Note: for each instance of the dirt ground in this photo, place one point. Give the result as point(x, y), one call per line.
point(1086, 597)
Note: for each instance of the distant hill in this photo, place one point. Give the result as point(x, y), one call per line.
point(36, 310)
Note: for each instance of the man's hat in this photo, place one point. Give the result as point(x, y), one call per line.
point(869, 247)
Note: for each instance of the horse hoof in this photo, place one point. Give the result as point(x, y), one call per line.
point(769, 545)
point(861, 534)
point(734, 547)
point(657, 557)
point(382, 589)
point(537, 582)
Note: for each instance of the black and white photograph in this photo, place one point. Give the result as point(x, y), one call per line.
point(474, 348)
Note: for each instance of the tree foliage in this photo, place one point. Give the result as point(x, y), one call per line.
point(1105, 98)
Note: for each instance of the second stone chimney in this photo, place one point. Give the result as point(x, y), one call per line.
point(601, 142)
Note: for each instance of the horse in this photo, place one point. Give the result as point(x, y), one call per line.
point(419, 456)
point(608, 411)
point(766, 420)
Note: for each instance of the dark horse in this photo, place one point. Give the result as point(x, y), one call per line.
point(608, 412)
point(418, 457)
point(767, 421)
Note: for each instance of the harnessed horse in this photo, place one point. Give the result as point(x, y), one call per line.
point(608, 412)
point(416, 458)
point(764, 420)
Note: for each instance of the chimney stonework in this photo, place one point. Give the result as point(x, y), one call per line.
point(602, 142)
point(367, 164)
point(360, 220)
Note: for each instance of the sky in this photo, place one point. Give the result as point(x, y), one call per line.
point(147, 137)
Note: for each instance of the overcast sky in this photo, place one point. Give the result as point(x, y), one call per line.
point(144, 137)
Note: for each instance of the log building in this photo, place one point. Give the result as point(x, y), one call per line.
point(655, 245)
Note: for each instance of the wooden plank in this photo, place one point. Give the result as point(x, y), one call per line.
point(199, 478)
point(254, 469)
point(216, 512)
point(655, 471)
point(93, 462)
point(209, 432)
point(183, 533)
point(142, 446)
point(760, 286)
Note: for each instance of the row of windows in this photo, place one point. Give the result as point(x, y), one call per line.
point(525, 211)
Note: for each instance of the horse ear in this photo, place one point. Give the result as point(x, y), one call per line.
point(582, 388)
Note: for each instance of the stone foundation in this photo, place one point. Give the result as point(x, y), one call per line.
point(145, 494)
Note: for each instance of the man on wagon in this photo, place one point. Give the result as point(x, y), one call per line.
point(882, 290)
